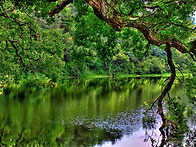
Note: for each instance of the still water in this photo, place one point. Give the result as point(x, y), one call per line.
point(85, 112)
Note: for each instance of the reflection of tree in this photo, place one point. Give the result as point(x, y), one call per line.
point(90, 136)
point(36, 119)
point(171, 141)
point(149, 124)
point(80, 135)
point(28, 127)
point(168, 138)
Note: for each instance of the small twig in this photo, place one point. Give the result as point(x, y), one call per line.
point(168, 96)
point(20, 136)
point(181, 73)
point(152, 104)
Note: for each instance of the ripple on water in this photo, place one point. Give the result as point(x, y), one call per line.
point(125, 122)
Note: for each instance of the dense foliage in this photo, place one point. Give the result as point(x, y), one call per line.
point(73, 43)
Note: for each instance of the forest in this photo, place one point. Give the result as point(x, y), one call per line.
point(45, 43)
point(76, 43)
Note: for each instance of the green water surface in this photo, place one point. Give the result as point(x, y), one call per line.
point(85, 112)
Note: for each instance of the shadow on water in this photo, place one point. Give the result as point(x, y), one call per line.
point(87, 112)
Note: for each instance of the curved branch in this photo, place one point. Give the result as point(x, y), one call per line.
point(166, 89)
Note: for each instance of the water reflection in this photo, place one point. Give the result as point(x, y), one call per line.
point(84, 112)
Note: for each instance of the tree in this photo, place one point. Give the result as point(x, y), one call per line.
point(26, 48)
point(162, 22)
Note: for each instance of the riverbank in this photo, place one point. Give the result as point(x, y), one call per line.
point(42, 83)
point(133, 75)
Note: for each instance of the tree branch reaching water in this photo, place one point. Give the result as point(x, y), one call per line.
point(166, 90)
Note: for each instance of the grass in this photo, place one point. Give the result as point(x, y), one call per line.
point(131, 75)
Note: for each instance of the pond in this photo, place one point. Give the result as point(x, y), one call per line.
point(85, 112)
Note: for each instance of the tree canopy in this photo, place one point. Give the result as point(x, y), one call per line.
point(160, 21)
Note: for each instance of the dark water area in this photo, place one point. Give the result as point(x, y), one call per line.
point(85, 112)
